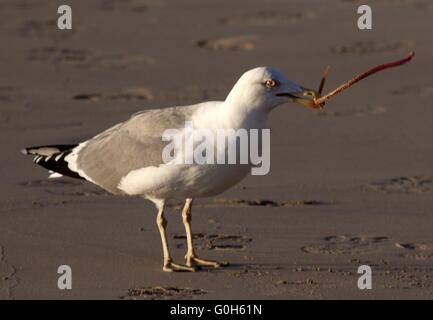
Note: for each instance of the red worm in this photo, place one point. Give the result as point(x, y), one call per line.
point(320, 101)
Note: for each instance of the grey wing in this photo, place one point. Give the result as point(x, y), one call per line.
point(134, 144)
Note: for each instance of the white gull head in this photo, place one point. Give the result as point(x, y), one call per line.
point(264, 88)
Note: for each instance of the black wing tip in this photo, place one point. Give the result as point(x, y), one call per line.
point(53, 160)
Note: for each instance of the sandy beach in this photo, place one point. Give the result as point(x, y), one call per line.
point(350, 185)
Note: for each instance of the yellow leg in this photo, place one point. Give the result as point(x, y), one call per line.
point(169, 265)
point(191, 257)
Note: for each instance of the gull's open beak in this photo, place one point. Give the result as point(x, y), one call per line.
point(304, 97)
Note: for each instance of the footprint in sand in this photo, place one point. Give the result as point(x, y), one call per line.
point(124, 95)
point(216, 241)
point(360, 48)
point(268, 18)
point(84, 58)
point(417, 251)
point(163, 293)
point(235, 43)
point(414, 184)
point(309, 285)
point(227, 242)
point(347, 244)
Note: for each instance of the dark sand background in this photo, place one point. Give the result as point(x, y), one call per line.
point(365, 164)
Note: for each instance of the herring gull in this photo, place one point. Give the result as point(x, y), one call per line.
point(126, 159)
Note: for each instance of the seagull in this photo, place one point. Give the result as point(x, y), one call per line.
point(126, 158)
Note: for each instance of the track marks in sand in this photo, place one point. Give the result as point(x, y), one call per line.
point(85, 58)
point(234, 43)
point(319, 282)
point(406, 278)
point(8, 278)
point(158, 292)
point(215, 241)
point(411, 184)
point(131, 94)
point(268, 18)
point(361, 48)
point(347, 244)
point(309, 282)
point(417, 251)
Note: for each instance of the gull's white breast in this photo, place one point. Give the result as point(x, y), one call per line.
point(168, 181)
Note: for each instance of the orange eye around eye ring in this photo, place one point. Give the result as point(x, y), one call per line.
point(270, 83)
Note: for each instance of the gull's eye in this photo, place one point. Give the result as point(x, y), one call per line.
point(270, 83)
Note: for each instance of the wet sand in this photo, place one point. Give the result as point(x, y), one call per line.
point(350, 185)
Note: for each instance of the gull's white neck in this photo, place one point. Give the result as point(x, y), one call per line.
point(226, 114)
point(242, 115)
point(241, 109)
